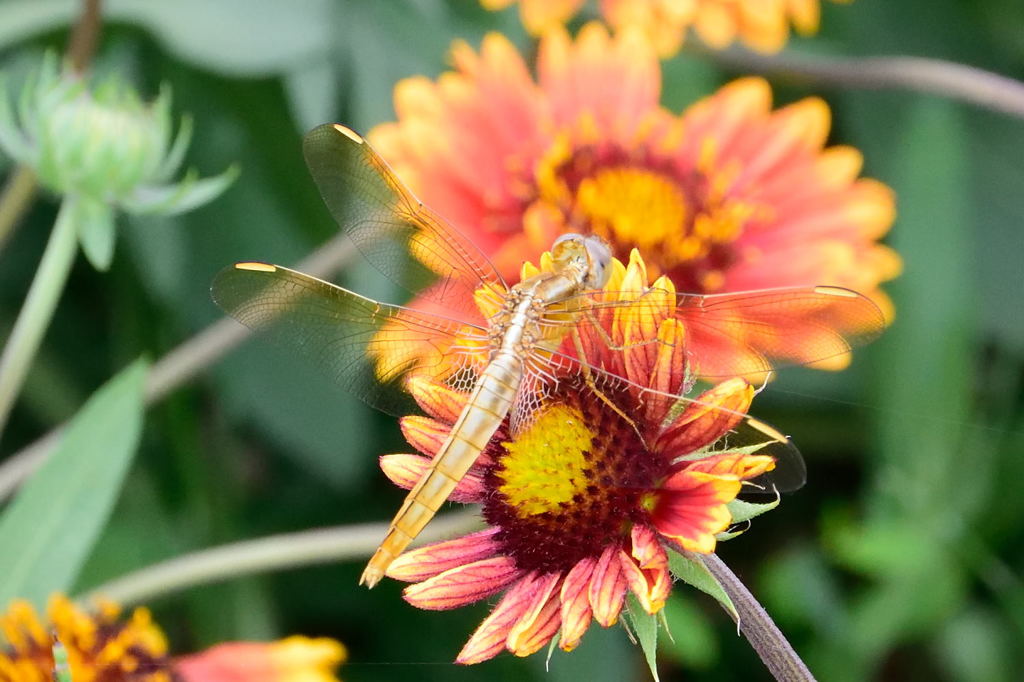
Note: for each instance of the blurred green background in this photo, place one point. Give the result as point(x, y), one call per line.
point(900, 560)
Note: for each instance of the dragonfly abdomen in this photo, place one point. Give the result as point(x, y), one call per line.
point(488, 404)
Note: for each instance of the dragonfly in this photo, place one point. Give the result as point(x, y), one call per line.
point(529, 343)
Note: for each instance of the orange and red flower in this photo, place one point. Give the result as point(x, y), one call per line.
point(583, 497)
point(102, 646)
point(762, 25)
point(728, 196)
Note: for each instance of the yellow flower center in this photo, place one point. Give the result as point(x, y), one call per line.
point(687, 223)
point(547, 466)
point(638, 206)
point(644, 209)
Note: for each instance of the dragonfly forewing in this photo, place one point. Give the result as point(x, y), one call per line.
point(748, 334)
point(397, 234)
point(368, 347)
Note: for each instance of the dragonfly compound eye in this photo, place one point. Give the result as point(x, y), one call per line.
point(590, 252)
point(600, 258)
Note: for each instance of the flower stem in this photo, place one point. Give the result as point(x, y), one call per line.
point(916, 74)
point(17, 194)
point(85, 35)
point(38, 308)
point(756, 625)
point(290, 550)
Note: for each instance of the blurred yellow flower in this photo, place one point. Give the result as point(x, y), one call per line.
point(762, 25)
point(103, 646)
point(539, 15)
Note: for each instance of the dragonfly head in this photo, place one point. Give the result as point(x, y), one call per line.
point(589, 254)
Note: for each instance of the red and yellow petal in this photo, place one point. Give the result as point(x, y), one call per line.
point(607, 587)
point(463, 584)
point(690, 509)
point(646, 569)
point(742, 466)
point(462, 142)
point(425, 433)
point(405, 471)
point(491, 636)
point(436, 399)
point(709, 417)
point(576, 77)
point(540, 621)
point(431, 560)
point(575, 600)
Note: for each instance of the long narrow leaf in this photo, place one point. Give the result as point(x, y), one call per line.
point(645, 628)
point(50, 528)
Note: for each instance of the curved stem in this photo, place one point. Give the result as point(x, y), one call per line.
point(37, 311)
point(275, 552)
point(84, 35)
point(179, 366)
point(917, 74)
point(756, 625)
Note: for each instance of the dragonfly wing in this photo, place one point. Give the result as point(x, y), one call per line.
point(747, 334)
point(366, 346)
point(790, 472)
point(402, 238)
point(751, 333)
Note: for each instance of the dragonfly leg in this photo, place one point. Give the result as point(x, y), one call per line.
point(588, 378)
point(603, 333)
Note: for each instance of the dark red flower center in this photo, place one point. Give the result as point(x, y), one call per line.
point(570, 484)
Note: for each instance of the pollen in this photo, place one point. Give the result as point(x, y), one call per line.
point(547, 465)
point(636, 206)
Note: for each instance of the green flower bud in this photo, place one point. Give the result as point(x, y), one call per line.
point(103, 149)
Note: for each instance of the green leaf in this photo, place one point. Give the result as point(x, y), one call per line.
point(94, 222)
point(698, 575)
point(744, 511)
point(645, 627)
point(730, 534)
point(50, 528)
point(181, 197)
